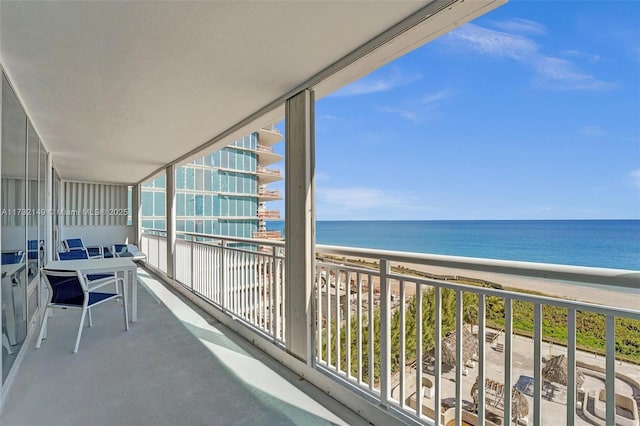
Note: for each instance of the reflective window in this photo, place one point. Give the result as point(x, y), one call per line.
point(14, 227)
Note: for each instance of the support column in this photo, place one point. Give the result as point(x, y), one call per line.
point(136, 214)
point(299, 224)
point(171, 220)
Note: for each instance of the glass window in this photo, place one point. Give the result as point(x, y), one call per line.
point(199, 205)
point(147, 203)
point(14, 227)
point(190, 178)
point(190, 205)
point(216, 205)
point(180, 205)
point(160, 204)
point(199, 179)
point(180, 178)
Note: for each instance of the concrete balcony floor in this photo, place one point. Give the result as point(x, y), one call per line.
point(175, 366)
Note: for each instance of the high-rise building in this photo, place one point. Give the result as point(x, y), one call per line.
point(223, 193)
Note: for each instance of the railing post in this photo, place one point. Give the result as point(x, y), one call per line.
point(537, 364)
point(136, 214)
point(610, 369)
point(192, 279)
point(385, 333)
point(170, 172)
point(299, 225)
point(223, 275)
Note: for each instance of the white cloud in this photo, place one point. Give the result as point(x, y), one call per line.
point(635, 175)
point(550, 72)
point(367, 203)
point(327, 117)
point(404, 113)
point(591, 57)
point(417, 110)
point(556, 73)
point(593, 131)
point(522, 26)
point(494, 43)
point(435, 97)
point(377, 83)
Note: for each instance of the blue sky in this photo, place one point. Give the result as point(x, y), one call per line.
point(529, 112)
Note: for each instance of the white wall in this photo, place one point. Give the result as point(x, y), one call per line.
point(99, 235)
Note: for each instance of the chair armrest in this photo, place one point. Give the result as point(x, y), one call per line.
point(101, 283)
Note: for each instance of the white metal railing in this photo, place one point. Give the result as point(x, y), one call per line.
point(403, 339)
point(154, 244)
point(242, 277)
point(403, 356)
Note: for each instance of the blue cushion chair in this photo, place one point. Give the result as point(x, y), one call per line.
point(69, 290)
point(78, 254)
point(77, 244)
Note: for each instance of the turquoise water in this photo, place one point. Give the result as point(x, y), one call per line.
point(599, 243)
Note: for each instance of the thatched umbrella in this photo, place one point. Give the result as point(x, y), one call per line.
point(556, 370)
point(519, 405)
point(469, 348)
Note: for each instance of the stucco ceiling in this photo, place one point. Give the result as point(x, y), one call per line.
point(117, 90)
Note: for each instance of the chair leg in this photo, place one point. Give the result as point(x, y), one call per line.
point(84, 314)
point(43, 328)
point(124, 305)
point(6, 345)
point(90, 322)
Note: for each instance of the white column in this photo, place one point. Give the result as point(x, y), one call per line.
point(136, 214)
point(299, 224)
point(49, 240)
point(171, 220)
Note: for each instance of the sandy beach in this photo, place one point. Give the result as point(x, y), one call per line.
point(623, 298)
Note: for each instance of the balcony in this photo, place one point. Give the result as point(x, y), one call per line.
point(266, 195)
point(268, 214)
point(266, 175)
point(267, 235)
point(176, 365)
point(266, 155)
point(269, 137)
point(469, 321)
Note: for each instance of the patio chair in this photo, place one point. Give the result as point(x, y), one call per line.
point(68, 290)
point(35, 255)
point(107, 253)
point(70, 244)
point(128, 250)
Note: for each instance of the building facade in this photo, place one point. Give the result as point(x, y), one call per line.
point(224, 193)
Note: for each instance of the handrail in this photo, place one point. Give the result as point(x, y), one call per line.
point(583, 274)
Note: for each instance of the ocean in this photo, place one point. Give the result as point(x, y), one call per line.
point(596, 243)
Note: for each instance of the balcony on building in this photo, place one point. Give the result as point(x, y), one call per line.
point(266, 155)
point(269, 137)
point(266, 175)
point(269, 195)
point(234, 331)
point(268, 214)
point(267, 235)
